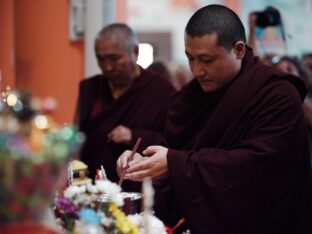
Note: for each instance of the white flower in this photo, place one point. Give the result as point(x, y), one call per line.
point(155, 225)
point(106, 221)
point(93, 197)
point(83, 199)
point(118, 200)
point(82, 189)
point(108, 187)
point(92, 188)
point(135, 219)
point(71, 191)
point(112, 190)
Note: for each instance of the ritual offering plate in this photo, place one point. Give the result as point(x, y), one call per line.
point(132, 202)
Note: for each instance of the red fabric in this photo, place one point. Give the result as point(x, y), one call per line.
point(168, 230)
point(96, 109)
point(238, 158)
point(27, 229)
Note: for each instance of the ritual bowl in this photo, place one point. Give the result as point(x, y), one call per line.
point(132, 203)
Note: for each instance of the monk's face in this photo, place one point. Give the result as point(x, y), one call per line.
point(117, 59)
point(288, 67)
point(307, 62)
point(212, 65)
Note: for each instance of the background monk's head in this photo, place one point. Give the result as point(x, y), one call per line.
point(116, 49)
point(215, 46)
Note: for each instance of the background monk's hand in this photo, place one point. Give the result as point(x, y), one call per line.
point(122, 162)
point(154, 166)
point(120, 135)
point(252, 21)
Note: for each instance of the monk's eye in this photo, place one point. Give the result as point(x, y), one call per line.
point(190, 59)
point(100, 59)
point(208, 61)
point(113, 58)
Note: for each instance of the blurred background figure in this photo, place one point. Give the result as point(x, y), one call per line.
point(267, 37)
point(119, 105)
point(161, 68)
point(182, 76)
point(177, 75)
point(290, 64)
point(307, 62)
point(307, 105)
point(295, 66)
point(266, 33)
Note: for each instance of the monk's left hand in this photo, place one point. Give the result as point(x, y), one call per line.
point(155, 166)
point(120, 135)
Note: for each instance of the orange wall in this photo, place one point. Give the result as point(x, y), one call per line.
point(7, 42)
point(235, 5)
point(47, 63)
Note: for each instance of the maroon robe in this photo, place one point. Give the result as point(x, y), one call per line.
point(142, 108)
point(238, 158)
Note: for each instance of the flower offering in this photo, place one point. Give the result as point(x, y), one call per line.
point(33, 152)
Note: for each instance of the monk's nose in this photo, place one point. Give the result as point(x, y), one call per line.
point(197, 69)
point(107, 66)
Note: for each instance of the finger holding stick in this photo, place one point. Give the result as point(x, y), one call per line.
point(129, 158)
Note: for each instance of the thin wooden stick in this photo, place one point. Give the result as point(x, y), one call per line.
point(135, 148)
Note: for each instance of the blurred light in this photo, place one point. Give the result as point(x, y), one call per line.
point(49, 104)
point(12, 99)
point(276, 59)
point(41, 122)
point(2, 105)
point(36, 103)
point(12, 125)
point(146, 55)
point(18, 106)
point(66, 133)
point(60, 149)
point(80, 137)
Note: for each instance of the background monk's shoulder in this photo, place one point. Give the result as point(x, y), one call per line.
point(91, 81)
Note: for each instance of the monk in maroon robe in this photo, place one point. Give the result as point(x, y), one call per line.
point(124, 103)
point(236, 157)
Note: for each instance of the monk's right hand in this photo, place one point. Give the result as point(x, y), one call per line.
point(123, 161)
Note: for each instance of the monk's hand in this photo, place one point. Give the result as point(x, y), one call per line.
point(123, 161)
point(154, 166)
point(252, 21)
point(120, 135)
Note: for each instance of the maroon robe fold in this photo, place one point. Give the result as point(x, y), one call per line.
point(238, 158)
point(142, 108)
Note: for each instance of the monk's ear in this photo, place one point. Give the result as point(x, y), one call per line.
point(239, 49)
point(136, 50)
